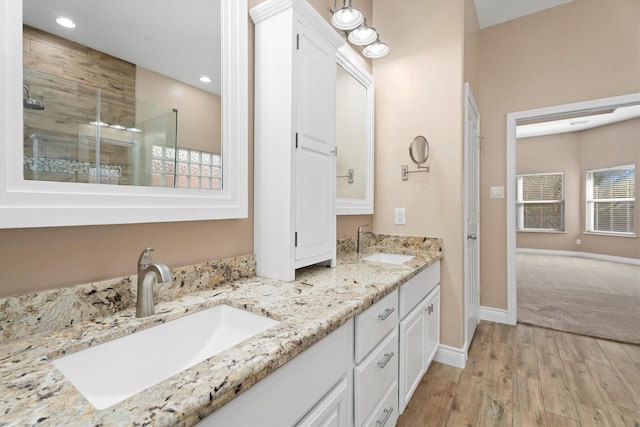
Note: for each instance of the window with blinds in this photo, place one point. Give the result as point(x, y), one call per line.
point(540, 202)
point(611, 200)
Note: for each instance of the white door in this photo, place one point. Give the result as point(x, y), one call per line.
point(316, 141)
point(472, 215)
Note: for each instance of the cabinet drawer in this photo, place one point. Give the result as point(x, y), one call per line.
point(418, 287)
point(385, 413)
point(374, 375)
point(375, 323)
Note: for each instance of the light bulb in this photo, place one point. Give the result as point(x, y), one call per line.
point(377, 49)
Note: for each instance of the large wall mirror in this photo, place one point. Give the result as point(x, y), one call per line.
point(354, 126)
point(138, 114)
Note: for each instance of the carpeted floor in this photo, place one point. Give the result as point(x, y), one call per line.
point(580, 295)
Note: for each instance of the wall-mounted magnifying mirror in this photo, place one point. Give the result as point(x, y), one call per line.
point(419, 153)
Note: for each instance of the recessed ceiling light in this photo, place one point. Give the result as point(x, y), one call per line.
point(205, 79)
point(99, 123)
point(134, 130)
point(66, 22)
point(119, 127)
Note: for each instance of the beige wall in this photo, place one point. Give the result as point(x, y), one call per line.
point(419, 92)
point(598, 152)
point(574, 153)
point(199, 112)
point(471, 48)
point(552, 154)
point(582, 50)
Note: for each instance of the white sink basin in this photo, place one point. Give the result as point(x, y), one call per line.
point(389, 258)
point(109, 373)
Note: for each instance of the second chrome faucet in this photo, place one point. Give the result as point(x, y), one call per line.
point(361, 236)
point(147, 272)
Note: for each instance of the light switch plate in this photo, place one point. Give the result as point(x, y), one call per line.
point(496, 192)
point(400, 217)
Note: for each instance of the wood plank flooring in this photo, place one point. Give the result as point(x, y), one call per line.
point(528, 376)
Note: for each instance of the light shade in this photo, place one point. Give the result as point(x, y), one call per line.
point(363, 35)
point(377, 49)
point(347, 18)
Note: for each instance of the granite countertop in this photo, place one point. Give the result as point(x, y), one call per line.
point(319, 301)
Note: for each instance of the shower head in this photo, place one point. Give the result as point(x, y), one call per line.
point(30, 103)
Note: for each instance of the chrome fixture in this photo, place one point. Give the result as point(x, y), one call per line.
point(377, 49)
point(354, 25)
point(363, 34)
point(349, 176)
point(347, 18)
point(419, 153)
point(30, 103)
point(361, 236)
point(146, 267)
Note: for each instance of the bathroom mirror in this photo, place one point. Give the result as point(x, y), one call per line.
point(354, 137)
point(32, 203)
point(419, 150)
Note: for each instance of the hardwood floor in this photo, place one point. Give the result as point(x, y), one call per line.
point(528, 376)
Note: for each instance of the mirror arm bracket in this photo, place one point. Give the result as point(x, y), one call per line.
point(404, 171)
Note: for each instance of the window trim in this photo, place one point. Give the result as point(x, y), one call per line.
point(590, 203)
point(520, 204)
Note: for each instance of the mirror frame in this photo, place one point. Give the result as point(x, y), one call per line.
point(27, 203)
point(347, 59)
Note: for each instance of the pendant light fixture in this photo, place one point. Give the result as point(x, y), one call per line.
point(363, 34)
point(354, 25)
point(377, 49)
point(347, 18)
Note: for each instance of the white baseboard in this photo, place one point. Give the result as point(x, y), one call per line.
point(497, 315)
point(601, 257)
point(451, 356)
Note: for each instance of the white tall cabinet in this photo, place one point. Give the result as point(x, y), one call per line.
point(295, 138)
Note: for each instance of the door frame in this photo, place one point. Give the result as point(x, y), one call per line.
point(539, 113)
point(469, 102)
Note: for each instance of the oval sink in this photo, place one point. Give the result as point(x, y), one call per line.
point(110, 372)
point(388, 258)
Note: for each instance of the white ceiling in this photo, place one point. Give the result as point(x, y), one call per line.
point(177, 38)
point(492, 12)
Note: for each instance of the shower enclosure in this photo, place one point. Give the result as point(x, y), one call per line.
point(78, 133)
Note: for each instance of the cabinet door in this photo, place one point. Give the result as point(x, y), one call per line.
point(315, 160)
point(412, 353)
point(333, 410)
point(432, 330)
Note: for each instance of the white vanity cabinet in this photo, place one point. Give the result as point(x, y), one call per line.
point(313, 389)
point(419, 329)
point(375, 375)
point(295, 138)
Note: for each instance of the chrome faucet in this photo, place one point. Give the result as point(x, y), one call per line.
point(361, 236)
point(146, 266)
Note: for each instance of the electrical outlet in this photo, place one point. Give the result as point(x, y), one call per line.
point(496, 193)
point(400, 217)
point(578, 241)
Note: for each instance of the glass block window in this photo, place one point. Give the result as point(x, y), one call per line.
point(611, 200)
point(540, 202)
point(185, 168)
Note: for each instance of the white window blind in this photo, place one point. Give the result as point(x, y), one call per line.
point(611, 200)
point(540, 202)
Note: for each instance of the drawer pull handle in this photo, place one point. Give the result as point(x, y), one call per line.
point(386, 313)
point(387, 414)
point(387, 358)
